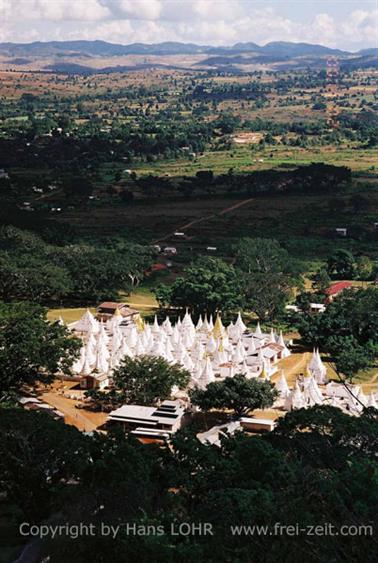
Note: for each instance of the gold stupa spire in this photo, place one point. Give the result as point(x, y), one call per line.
point(218, 329)
point(139, 323)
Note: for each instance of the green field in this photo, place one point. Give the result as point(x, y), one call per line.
point(248, 157)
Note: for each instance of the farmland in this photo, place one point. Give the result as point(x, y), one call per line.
point(142, 154)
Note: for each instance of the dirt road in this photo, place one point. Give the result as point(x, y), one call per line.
point(82, 419)
point(183, 228)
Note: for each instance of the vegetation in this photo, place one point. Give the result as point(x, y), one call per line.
point(343, 265)
point(208, 285)
point(97, 173)
point(347, 330)
point(270, 275)
point(237, 393)
point(53, 473)
point(31, 269)
point(143, 380)
point(31, 349)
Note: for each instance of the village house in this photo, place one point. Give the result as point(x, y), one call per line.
point(335, 289)
point(35, 404)
point(95, 381)
point(109, 308)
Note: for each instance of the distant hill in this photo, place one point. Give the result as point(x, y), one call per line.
point(90, 57)
point(284, 48)
point(105, 49)
point(368, 52)
point(367, 61)
point(99, 48)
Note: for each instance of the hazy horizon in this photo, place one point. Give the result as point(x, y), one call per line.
point(348, 25)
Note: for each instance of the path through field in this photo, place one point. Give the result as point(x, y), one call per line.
point(204, 218)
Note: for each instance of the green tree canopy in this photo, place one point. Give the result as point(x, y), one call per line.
point(321, 281)
point(236, 393)
point(270, 275)
point(347, 329)
point(208, 285)
point(31, 348)
point(364, 268)
point(143, 380)
point(32, 269)
point(341, 264)
point(316, 462)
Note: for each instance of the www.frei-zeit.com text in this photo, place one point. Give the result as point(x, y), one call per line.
point(75, 531)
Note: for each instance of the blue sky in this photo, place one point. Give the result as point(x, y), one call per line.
point(347, 24)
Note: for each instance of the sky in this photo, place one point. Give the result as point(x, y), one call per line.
point(346, 24)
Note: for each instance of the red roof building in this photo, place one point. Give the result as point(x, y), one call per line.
point(333, 290)
point(158, 267)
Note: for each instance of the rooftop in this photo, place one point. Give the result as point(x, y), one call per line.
point(168, 411)
point(335, 288)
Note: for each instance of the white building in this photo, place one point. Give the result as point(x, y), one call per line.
point(149, 422)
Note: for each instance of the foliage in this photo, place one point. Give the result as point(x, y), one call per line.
point(270, 275)
point(318, 466)
point(341, 264)
point(208, 285)
point(235, 393)
point(32, 269)
point(321, 281)
point(143, 380)
point(31, 348)
point(347, 329)
point(364, 268)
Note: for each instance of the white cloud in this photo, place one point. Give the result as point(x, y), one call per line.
point(209, 33)
point(140, 10)
point(125, 31)
point(361, 26)
point(53, 10)
point(217, 10)
point(218, 22)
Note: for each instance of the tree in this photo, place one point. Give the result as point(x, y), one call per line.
point(208, 285)
point(341, 264)
point(317, 461)
point(143, 380)
point(236, 393)
point(26, 276)
point(270, 275)
point(99, 272)
point(319, 106)
point(39, 456)
point(127, 196)
point(321, 281)
point(347, 330)
point(205, 177)
point(350, 356)
point(303, 300)
point(364, 268)
point(31, 348)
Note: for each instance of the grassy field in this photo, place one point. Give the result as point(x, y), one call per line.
point(304, 223)
point(141, 299)
point(69, 315)
point(246, 158)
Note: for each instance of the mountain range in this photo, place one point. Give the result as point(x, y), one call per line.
point(103, 48)
point(79, 56)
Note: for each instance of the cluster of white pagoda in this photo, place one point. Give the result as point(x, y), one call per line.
point(207, 349)
point(210, 352)
point(315, 389)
